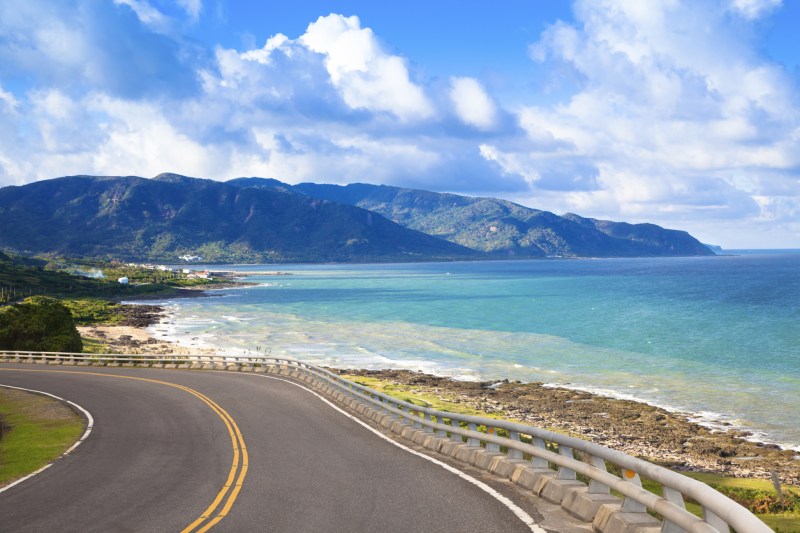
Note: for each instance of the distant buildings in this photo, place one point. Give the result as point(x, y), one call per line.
point(148, 266)
point(187, 272)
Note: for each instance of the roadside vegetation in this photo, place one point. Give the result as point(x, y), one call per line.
point(36, 430)
point(86, 311)
point(37, 296)
point(780, 512)
point(38, 324)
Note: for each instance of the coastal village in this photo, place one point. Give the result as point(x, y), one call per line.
point(188, 273)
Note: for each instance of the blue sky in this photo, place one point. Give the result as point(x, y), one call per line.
point(682, 113)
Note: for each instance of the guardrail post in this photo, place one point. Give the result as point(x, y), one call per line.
point(673, 496)
point(427, 428)
point(629, 505)
point(382, 406)
point(595, 487)
point(470, 440)
point(564, 472)
point(715, 521)
point(512, 453)
point(490, 446)
point(415, 419)
point(441, 432)
point(539, 462)
point(453, 435)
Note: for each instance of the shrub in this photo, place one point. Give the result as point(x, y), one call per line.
point(39, 323)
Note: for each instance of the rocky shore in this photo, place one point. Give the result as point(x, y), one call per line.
point(141, 315)
point(638, 429)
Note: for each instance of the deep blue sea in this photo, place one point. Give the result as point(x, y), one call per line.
point(717, 337)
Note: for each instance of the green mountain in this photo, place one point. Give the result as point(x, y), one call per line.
point(265, 220)
point(505, 228)
point(168, 216)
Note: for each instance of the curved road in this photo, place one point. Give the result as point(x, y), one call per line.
point(159, 455)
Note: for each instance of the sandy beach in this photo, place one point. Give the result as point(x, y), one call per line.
point(131, 335)
point(136, 340)
point(635, 428)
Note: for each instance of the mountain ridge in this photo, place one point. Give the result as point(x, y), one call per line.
point(266, 220)
point(503, 227)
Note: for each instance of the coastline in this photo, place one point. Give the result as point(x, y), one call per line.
point(633, 427)
point(636, 428)
point(131, 336)
point(199, 291)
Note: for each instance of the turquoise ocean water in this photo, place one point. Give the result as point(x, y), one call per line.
point(717, 337)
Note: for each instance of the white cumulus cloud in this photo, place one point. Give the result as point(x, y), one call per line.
point(473, 106)
point(139, 135)
point(753, 9)
point(367, 77)
point(149, 15)
point(9, 100)
point(262, 55)
point(192, 8)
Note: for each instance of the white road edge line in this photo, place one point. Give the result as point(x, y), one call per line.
point(514, 508)
point(89, 425)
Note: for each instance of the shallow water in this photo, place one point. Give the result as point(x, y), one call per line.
point(718, 337)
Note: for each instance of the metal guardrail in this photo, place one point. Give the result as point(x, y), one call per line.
point(568, 457)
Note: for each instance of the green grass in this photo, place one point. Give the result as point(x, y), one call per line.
point(91, 345)
point(403, 392)
point(718, 480)
point(94, 311)
point(781, 523)
point(41, 429)
point(749, 491)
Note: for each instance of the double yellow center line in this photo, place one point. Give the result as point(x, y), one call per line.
point(207, 519)
point(233, 484)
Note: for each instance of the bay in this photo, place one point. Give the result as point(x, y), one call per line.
point(716, 337)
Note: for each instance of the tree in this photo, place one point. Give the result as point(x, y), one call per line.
point(38, 324)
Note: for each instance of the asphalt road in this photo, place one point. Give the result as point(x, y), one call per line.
point(159, 455)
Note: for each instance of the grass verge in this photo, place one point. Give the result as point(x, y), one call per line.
point(758, 494)
point(38, 429)
point(408, 394)
point(92, 345)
